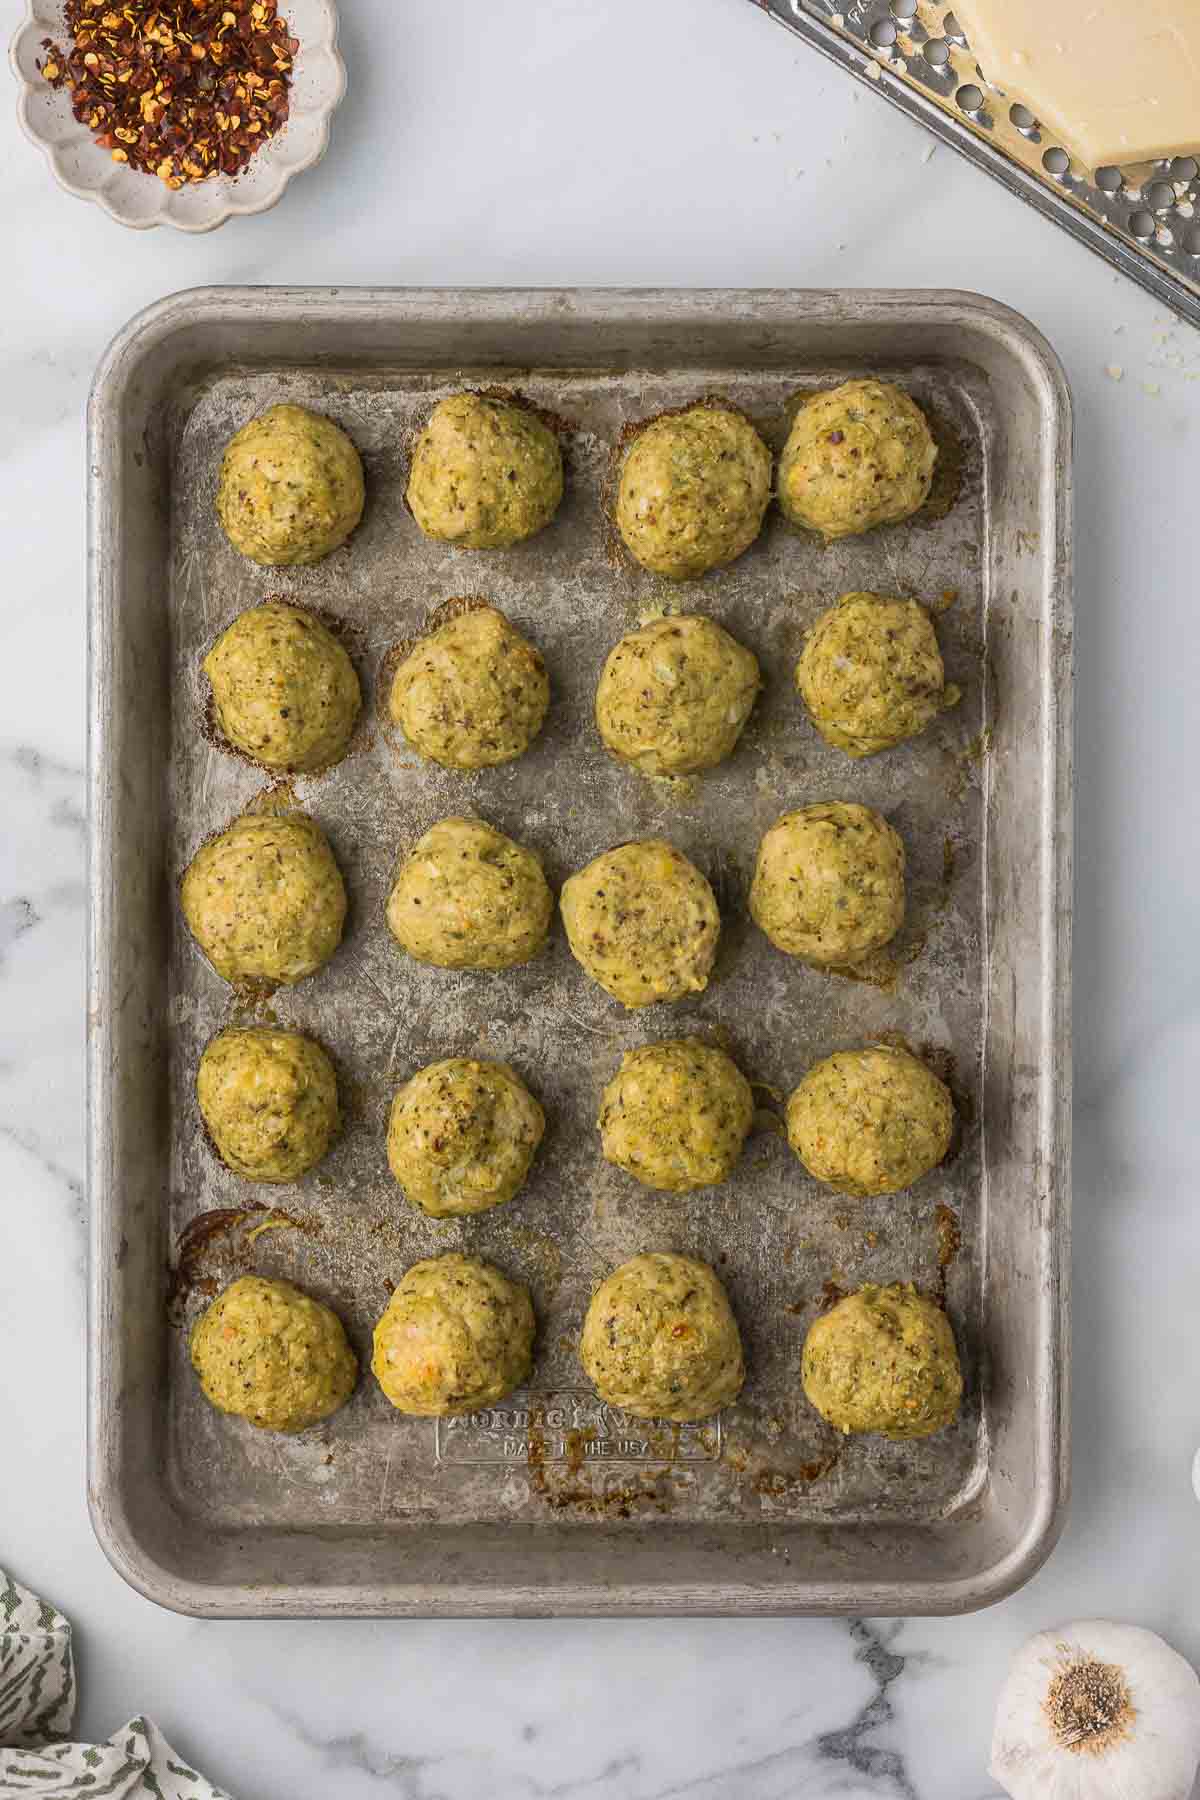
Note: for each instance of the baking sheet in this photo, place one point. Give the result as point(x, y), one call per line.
point(775, 1235)
point(781, 1243)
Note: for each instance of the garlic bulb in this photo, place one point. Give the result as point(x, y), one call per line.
point(1097, 1712)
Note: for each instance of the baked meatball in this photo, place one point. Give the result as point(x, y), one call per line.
point(284, 690)
point(693, 489)
point(269, 1099)
point(642, 921)
point(883, 1360)
point(858, 456)
point(467, 897)
point(264, 899)
point(486, 473)
point(675, 1115)
point(457, 1335)
point(674, 696)
point(291, 487)
point(473, 692)
point(871, 673)
point(273, 1355)
point(870, 1121)
point(461, 1136)
point(660, 1341)
point(829, 883)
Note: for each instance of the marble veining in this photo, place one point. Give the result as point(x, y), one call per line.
point(476, 148)
point(848, 1757)
point(42, 905)
point(853, 1743)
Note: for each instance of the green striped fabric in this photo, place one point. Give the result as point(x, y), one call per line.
point(37, 1710)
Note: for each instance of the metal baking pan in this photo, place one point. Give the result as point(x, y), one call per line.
point(551, 1503)
point(1143, 219)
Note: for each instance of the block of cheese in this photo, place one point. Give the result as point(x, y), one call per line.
point(1112, 81)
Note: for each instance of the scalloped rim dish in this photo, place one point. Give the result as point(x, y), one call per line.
point(139, 200)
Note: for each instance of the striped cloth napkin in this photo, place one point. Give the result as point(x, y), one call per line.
point(37, 1710)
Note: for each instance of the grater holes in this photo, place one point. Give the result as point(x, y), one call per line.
point(1153, 208)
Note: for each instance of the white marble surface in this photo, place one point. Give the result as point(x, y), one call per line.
point(615, 141)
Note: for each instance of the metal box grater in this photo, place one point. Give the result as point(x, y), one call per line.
point(1144, 219)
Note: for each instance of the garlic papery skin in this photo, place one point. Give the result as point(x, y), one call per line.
point(1097, 1712)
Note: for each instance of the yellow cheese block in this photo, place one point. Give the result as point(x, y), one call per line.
point(1110, 81)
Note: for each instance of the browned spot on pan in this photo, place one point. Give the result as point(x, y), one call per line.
point(775, 1484)
point(210, 1247)
point(948, 1228)
point(947, 473)
point(187, 1273)
point(567, 1489)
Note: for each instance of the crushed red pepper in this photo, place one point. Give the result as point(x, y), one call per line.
point(182, 89)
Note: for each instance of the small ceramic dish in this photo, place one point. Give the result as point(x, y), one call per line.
point(135, 198)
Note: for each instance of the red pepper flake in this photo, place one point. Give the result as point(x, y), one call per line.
point(181, 89)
